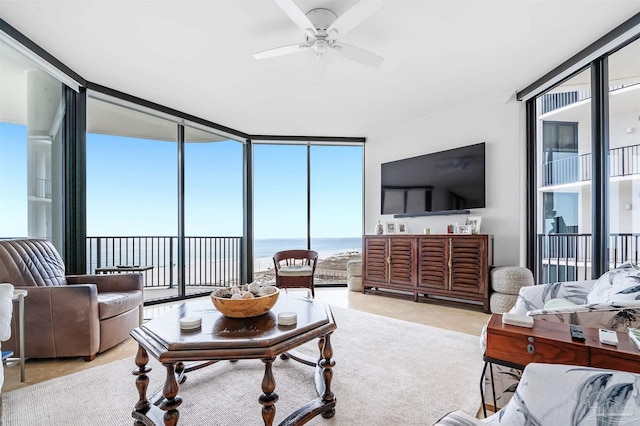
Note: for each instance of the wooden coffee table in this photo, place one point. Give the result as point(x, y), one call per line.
point(222, 338)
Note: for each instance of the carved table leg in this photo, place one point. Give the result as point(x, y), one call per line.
point(142, 381)
point(269, 397)
point(172, 401)
point(327, 371)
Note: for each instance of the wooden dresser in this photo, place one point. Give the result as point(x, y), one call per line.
point(451, 266)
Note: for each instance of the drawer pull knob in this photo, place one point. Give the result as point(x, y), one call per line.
point(530, 339)
point(531, 349)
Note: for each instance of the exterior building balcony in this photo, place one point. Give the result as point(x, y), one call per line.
point(623, 162)
point(567, 257)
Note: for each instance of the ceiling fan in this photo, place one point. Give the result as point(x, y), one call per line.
point(322, 27)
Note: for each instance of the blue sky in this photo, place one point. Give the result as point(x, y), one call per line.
point(132, 188)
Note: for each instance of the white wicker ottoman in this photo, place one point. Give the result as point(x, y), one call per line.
point(506, 282)
point(354, 275)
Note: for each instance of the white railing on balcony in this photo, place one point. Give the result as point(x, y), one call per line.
point(624, 161)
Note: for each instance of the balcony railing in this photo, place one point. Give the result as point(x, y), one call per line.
point(567, 257)
point(624, 161)
point(209, 261)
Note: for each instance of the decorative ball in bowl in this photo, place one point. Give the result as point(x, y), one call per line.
point(249, 300)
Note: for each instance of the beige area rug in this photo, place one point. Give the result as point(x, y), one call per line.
point(387, 372)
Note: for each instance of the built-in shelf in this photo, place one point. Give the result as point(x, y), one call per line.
point(439, 213)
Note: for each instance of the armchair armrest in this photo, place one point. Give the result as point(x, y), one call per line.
point(110, 283)
point(556, 394)
point(65, 319)
point(611, 317)
point(534, 297)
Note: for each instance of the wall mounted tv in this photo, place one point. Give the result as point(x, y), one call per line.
point(446, 182)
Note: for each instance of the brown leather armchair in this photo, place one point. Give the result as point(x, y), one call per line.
point(68, 315)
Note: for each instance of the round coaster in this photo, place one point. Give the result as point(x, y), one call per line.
point(287, 318)
point(190, 323)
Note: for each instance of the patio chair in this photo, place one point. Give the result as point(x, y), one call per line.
point(295, 269)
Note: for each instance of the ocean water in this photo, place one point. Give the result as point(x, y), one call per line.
point(268, 247)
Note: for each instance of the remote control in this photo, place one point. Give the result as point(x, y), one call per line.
point(608, 337)
point(576, 333)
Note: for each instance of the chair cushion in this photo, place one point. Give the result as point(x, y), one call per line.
point(113, 304)
point(295, 271)
point(618, 285)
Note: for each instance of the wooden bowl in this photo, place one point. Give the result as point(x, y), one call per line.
point(245, 308)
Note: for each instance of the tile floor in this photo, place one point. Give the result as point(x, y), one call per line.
point(457, 318)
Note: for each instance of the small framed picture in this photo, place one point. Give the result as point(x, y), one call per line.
point(402, 228)
point(474, 222)
point(389, 227)
point(464, 229)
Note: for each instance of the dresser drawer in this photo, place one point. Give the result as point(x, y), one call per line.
point(520, 349)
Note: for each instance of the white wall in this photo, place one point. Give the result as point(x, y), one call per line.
point(498, 123)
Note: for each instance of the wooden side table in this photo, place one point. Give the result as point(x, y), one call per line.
point(19, 295)
point(550, 342)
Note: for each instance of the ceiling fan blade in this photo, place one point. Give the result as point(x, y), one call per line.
point(279, 51)
point(297, 16)
point(357, 54)
point(353, 17)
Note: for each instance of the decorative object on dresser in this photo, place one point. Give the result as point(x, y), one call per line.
point(474, 222)
point(389, 228)
point(432, 266)
point(402, 228)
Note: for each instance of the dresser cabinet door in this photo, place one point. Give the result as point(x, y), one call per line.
point(467, 265)
point(433, 271)
point(402, 260)
point(376, 253)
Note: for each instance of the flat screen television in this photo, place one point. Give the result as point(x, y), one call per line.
point(442, 182)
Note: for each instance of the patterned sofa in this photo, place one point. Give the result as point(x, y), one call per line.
point(610, 302)
point(566, 395)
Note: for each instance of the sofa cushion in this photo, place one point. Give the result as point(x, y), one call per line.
point(559, 302)
point(112, 304)
point(296, 271)
point(617, 285)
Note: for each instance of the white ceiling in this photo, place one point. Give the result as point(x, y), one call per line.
point(195, 56)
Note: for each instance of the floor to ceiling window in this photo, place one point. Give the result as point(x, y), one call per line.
point(308, 196)
point(336, 209)
point(584, 157)
point(564, 180)
point(624, 155)
point(31, 143)
point(213, 210)
point(132, 210)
